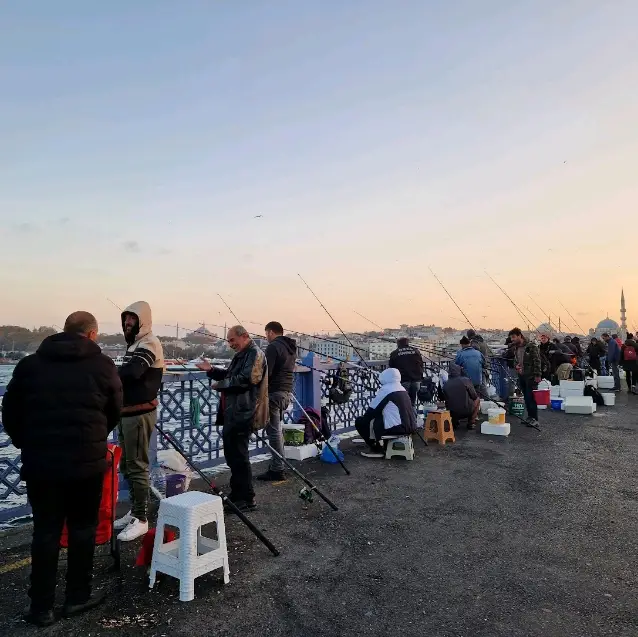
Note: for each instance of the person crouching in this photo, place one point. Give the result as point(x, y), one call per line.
point(389, 413)
point(461, 398)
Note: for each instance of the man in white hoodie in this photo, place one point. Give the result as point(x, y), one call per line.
point(389, 413)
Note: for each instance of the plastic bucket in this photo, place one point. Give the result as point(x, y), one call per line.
point(557, 403)
point(517, 406)
point(609, 398)
point(542, 396)
point(496, 416)
point(294, 435)
point(175, 484)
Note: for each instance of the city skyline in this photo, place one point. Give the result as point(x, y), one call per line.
point(173, 153)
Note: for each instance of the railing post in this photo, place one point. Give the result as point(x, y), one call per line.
point(307, 387)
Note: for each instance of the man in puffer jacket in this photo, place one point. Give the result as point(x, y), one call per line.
point(141, 375)
point(389, 413)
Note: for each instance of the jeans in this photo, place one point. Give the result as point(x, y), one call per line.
point(278, 402)
point(52, 501)
point(528, 386)
point(616, 373)
point(235, 438)
point(412, 387)
point(134, 435)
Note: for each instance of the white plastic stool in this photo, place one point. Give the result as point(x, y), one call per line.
point(192, 554)
point(399, 446)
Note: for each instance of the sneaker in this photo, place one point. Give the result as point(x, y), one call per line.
point(532, 422)
point(243, 505)
point(70, 610)
point(123, 522)
point(271, 476)
point(136, 528)
point(41, 618)
point(372, 454)
point(471, 426)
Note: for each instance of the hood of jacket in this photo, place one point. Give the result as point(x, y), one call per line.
point(289, 343)
point(142, 310)
point(390, 380)
point(454, 370)
point(66, 346)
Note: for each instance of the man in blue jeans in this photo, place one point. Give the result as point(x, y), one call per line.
point(613, 359)
point(281, 355)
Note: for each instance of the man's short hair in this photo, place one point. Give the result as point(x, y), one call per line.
point(403, 342)
point(605, 335)
point(238, 330)
point(515, 332)
point(465, 341)
point(276, 327)
point(614, 335)
point(80, 323)
point(471, 333)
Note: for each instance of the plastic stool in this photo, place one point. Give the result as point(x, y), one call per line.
point(399, 446)
point(439, 427)
point(192, 554)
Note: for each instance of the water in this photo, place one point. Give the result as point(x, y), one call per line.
point(5, 374)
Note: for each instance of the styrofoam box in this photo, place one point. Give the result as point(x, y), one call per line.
point(605, 382)
point(303, 452)
point(541, 406)
point(572, 388)
point(495, 430)
point(579, 405)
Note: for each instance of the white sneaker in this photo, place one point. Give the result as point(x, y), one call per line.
point(136, 528)
point(123, 522)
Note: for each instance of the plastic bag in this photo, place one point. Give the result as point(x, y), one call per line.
point(326, 453)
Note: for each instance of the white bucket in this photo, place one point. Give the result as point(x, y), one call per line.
point(609, 398)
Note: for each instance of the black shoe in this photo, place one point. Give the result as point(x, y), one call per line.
point(70, 610)
point(271, 476)
point(471, 426)
point(243, 505)
point(40, 618)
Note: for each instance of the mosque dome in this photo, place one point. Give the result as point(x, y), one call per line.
point(545, 328)
point(607, 324)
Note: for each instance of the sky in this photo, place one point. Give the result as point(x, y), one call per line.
point(172, 152)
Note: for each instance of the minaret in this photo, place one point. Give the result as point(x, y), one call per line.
point(623, 316)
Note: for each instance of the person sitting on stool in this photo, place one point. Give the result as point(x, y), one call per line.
point(461, 398)
point(390, 413)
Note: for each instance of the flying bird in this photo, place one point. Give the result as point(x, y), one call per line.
point(258, 216)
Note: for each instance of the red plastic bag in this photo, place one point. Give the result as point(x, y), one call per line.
point(108, 502)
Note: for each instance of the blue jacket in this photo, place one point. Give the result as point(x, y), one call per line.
point(613, 351)
point(472, 362)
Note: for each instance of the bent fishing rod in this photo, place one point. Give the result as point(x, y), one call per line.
point(349, 341)
point(452, 299)
point(572, 318)
point(310, 420)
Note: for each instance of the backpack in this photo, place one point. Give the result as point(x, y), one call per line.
point(630, 353)
point(341, 388)
point(427, 391)
point(595, 394)
point(310, 433)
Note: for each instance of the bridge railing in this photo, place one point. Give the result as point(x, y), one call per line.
point(188, 410)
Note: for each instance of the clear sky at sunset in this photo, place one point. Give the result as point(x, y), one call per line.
point(140, 140)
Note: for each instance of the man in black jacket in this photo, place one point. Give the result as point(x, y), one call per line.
point(461, 398)
point(59, 408)
point(409, 362)
point(243, 409)
point(281, 355)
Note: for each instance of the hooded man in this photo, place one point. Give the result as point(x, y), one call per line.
point(461, 398)
point(141, 375)
point(595, 351)
point(409, 362)
point(59, 409)
point(243, 409)
point(281, 355)
point(389, 413)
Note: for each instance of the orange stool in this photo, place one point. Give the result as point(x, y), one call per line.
point(439, 427)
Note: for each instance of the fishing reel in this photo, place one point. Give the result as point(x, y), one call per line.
point(306, 495)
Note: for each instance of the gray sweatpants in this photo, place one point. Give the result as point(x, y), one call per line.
point(278, 403)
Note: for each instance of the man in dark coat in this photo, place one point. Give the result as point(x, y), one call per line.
point(243, 409)
point(461, 398)
point(281, 355)
point(409, 362)
point(58, 409)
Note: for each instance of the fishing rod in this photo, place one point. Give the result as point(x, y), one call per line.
point(349, 341)
point(310, 420)
point(549, 319)
point(509, 298)
point(451, 298)
point(305, 493)
point(582, 331)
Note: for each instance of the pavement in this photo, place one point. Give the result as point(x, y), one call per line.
point(532, 535)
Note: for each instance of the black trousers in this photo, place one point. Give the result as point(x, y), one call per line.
point(527, 387)
point(236, 453)
point(376, 443)
point(631, 373)
point(412, 387)
point(77, 501)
